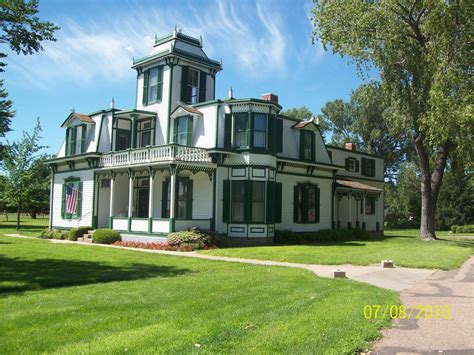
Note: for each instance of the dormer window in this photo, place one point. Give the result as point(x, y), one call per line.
point(153, 86)
point(183, 130)
point(352, 165)
point(145, 132)
point(75, 140)
point(307, 145)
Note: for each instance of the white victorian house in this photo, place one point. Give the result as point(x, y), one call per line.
point(182, 158)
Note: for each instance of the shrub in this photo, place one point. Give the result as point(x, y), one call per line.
point(79, 232)
point(468, 228)
point(53, 234)
point(194, 238)
point(105, 236)
point(156, 246)
point(453, 228)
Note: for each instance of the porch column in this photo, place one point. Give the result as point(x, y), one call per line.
point(363, 211)
point(130, 199)
point(349, 223)
point(173, 195)
point(377, 223)
point(111, 206)
point(150, 200)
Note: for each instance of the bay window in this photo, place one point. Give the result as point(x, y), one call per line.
point(259, 130)
point(241, 130)
point(238, 201)
point(258, 201)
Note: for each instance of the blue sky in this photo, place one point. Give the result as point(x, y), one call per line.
point(265, 47)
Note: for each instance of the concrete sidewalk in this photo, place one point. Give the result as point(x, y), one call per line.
point(455, 335)
point(396, 279)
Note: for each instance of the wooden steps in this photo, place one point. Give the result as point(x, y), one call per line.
point(87, 238)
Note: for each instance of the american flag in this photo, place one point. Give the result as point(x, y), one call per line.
point(72, 195)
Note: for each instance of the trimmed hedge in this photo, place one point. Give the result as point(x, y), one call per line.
point(193, 238)
point(53, 234)
point(105, 236)
point(326, 235)
point(468, 228)
point(75, 233)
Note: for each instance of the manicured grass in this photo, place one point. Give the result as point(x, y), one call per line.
point(28, 226)
point(70, 298)
point(401, 246)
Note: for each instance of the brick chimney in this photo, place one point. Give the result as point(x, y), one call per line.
point(350, 146)
point(270, 97)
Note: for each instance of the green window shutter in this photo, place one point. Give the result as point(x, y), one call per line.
point(302, 144)
point(63, 202)
point(248, 201)
point(159, 91)
point(357, 165)
point(249, 141)
point(83, 138)
point(372, 170)
point(227, 130)
point(184, 84)
point(226, 202)
point(202, 86)
point(189, 131)
point(271, 133)
point(295, 203)
point(313, 147)
point(67, 141)
point(164, 198)
point(145, 88)
point(364, 167)
point(318, 206)
point(189, 200)
point(270, 202)
point(347, 163)
point(278, 202)
point(78, 186)
point(279, 136)
point(175, 130)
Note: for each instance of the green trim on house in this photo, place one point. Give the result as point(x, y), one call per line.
point(252, 100)
point(93, 224)
point(104, 111)
point(170, 93)
point(218, 107)
point(180, 53)
point(100, 133)
point(289, 118)
point(206, 103)
point(354, 152)
point(312, 163)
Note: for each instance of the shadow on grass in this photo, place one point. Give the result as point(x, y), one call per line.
point(17, 275)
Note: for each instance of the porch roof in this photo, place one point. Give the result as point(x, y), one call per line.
point(354, 185)
point(135, 113)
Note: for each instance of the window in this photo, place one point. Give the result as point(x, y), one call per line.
point(259, 130)
point(241, 130)
point(75, 140)
point(258, 201)
point(144, 132)
point(238, 201)
point(183, 130)
point(192, 92)
point(71, 198)
point(184, 198)
point(153, 85)
point(307, 145)
point(141, 195)
point(352, 164)
point(122, 133)
point(368, 167)
point(370, 205)
point(306, 203)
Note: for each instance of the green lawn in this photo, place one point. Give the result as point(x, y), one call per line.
point(28, 226)
point(69, 298)
point(401, 246)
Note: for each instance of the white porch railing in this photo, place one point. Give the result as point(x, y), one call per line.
point(155, 154)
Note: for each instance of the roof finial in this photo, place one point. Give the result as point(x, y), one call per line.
point(72, 110)
point(156, 38)
point(231, 93)
point(200, 40)
point(112, 103)
point(175, 30)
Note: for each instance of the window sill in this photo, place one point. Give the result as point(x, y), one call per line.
point(152, 103)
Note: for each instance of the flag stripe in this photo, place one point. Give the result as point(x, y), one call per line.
point(72, 195)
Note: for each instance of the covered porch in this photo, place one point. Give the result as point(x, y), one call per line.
point(155, 199)
point(357, 205)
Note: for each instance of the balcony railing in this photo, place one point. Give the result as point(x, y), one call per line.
point(155, 154)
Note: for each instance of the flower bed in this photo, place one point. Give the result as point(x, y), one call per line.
point(158, 246)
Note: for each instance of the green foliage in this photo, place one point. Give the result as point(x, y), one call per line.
point(20, 171)
point(39, 187)
point(453, 228)
point(53, 234)
point(105, 236)
point(326, 235)
point(469, 228)
point(75, 233)
point(6, 114)
point(304, 113)
point(194, 238)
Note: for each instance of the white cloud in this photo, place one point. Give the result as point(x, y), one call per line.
point(252, 37)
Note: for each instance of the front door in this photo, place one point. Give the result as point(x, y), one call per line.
point(142, 208)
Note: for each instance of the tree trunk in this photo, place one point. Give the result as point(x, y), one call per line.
point(18, 217)
point(430, 185)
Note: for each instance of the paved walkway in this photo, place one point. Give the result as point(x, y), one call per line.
point(454, 288)
point(396, 279)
